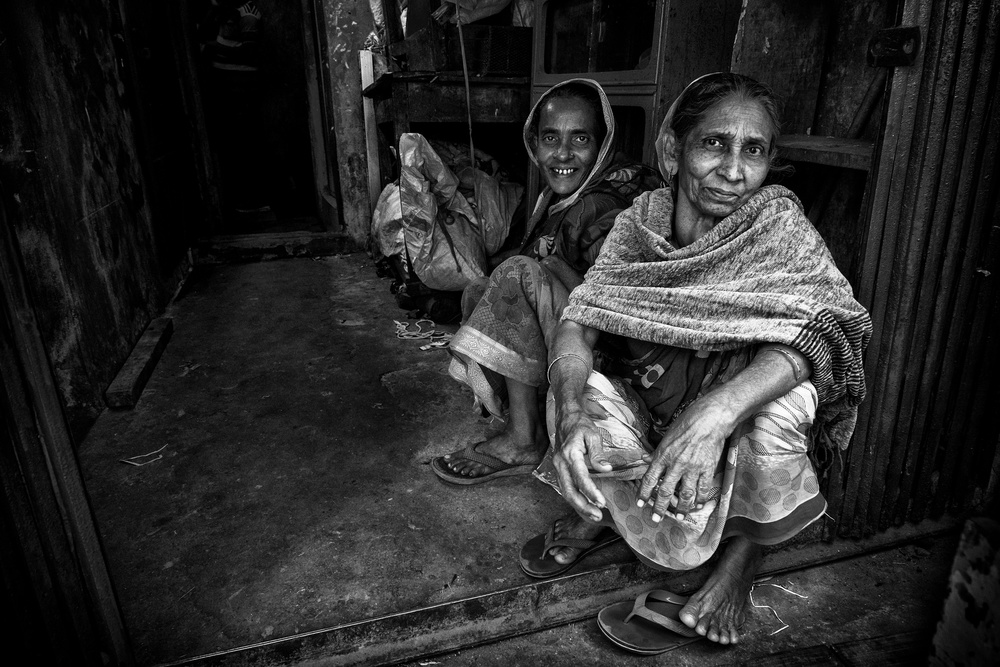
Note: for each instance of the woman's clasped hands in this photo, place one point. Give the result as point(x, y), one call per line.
point(681, 469)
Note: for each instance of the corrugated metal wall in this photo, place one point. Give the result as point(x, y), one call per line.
point(927, 436)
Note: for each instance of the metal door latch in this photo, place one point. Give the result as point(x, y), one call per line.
point(894, 47)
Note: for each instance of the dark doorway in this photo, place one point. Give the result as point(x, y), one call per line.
point(252, 82)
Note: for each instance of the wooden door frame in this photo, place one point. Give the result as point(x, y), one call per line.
point(318, 98)
point(70, 586)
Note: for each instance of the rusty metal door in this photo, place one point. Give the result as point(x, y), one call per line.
point(927, 438)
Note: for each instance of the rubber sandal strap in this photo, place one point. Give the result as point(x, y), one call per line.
point(470, 453)
point(641, 610)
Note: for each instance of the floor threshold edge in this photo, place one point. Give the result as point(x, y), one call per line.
point(532, 607)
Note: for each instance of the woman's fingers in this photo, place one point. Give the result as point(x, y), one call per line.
point(574, 480)
point(667, 494)
point(651, 479)
point(704, 490)
point(687, 495)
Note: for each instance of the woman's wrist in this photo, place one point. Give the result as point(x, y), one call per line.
point(725, 407)
point(570, 357)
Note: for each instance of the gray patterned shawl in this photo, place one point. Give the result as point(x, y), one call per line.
point(761, 275)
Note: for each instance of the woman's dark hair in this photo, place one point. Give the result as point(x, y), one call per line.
point(581, 91)
point(696, 101)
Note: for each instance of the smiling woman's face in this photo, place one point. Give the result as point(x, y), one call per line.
point(566, 144)
point(724, 159)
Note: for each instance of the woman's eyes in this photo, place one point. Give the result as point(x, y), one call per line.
point(716, 144)
point(579, 139)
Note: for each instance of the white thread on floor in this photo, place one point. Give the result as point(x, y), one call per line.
point(784, 626)
point(132, 459)
point(438, 339)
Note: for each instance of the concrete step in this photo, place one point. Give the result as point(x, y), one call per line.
point(533, 607)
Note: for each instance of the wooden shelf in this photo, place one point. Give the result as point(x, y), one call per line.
point(831, 151)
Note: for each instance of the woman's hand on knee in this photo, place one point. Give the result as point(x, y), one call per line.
point(683, 466)
point(578, 440)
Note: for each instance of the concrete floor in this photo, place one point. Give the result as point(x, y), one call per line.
point(875, 609)
point(289, 494)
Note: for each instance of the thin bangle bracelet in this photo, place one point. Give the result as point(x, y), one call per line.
point(548, 371)
point(796, 369)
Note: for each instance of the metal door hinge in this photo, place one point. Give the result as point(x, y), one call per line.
point(894, 47)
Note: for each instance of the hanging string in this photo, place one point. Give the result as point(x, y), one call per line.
point(468, 111)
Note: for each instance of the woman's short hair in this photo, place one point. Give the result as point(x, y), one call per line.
point(576, 90)
point(705, 93)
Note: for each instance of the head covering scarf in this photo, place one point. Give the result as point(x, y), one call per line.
point(761, 275)
point(604, 156)
point(665, 139)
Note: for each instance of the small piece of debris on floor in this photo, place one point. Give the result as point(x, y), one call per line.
point(784, 626)
point(438, 339)
point(137, 459)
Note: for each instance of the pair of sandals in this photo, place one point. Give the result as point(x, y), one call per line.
point(650, 625)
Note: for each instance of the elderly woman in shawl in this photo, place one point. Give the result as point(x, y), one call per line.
point(725, 341)
point(501, 349)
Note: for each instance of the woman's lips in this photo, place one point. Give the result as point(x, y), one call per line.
point(722, 194)
point(563, 171)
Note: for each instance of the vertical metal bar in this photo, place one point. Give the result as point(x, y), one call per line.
point(874, 276)
point(956, 318)
point(931, 297)
point(975, 429)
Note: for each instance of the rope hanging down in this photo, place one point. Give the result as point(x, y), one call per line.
point(468, 114)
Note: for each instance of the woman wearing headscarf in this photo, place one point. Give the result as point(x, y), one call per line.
point(730, 345)
point(501, 350)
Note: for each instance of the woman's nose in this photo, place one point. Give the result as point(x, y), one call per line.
point(731, 167)
point(564, 150)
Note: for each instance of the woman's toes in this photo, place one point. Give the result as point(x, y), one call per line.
point(564, 555)
point(689, 618)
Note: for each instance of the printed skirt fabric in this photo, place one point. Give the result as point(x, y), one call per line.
point(508, 331)
point(765, 487)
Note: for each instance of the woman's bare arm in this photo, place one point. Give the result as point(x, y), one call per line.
point(571, 361)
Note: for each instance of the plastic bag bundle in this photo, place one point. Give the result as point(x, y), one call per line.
point(427, 220)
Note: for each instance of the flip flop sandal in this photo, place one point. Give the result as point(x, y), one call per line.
point(498, 468)
point(536, 561)
point(648, 626)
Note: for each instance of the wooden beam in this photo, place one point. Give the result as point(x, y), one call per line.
point(831, 151)
point(347, 25)
point(68, 597)
point(366, 58)
point(127, 386)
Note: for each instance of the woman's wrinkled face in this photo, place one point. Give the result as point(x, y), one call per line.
point(724, 159)
point(566, 144)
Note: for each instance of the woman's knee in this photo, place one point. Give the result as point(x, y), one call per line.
point(783, 425)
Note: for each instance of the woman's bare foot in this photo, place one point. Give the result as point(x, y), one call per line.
point(718, 610)
point(509, 446)
point(574, 527)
